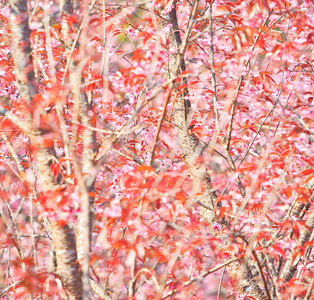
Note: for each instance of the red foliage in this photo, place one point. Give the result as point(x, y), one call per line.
point(147, 235)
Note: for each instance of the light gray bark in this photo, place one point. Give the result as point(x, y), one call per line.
point(191, 154)
point(290, 267)
point(87, 173)
point(63, 235)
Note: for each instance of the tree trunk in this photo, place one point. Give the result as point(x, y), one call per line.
point(63, 236)
point(192, 152)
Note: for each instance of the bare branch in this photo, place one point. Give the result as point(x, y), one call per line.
point(202, 275)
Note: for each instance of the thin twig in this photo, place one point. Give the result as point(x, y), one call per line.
point(166, 20)
point(33, 230)
point(202, 275)
point(147, 271)
point(162, 115)
point(128, 157)
point(220, 282)
point(23, 126)
point(309, 291)
point(8, 288)
point(17, 244)
point(13, 152)
point(212, 68)
point(247, 65)
point(258, 265)
point(178, 65)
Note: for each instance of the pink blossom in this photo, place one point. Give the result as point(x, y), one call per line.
point(114, 211)
point(167, 28)
point(133, 33)
point(168, 9)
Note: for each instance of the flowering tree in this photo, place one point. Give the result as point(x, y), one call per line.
point(156, 150)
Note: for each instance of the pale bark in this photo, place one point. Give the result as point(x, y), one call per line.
point(190, 146)
point(67, 265)
point(191, 153)
point(63, 236)
point(83, 111)
point(22, 50)
point(291, 266)
point(99, 290)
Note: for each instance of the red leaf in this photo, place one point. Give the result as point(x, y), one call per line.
point(116, 32)
point(182, 86)
point(145, 168)
point(297, 228)
point(181, 196)
point(279, 249)
point(306, 172)
point(138, 55)
point(308, 179)
point(221, 212)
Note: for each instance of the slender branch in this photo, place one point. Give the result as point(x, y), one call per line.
point(258, 265)
point(202, 275)
point(33, 230)
point(17, 244)
point(100, 292)
point(225, 142)
point(162, 115)
point(143, 270)
point(206, 144)
point(271, 110)
point(169, 22)
point(179, 62)
point(212, 68)
point(128, 157)
point(23, 126)
point(220, 282)
point(247, 65)
point(310, 290)
point(13, 152)
point(8, 288)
